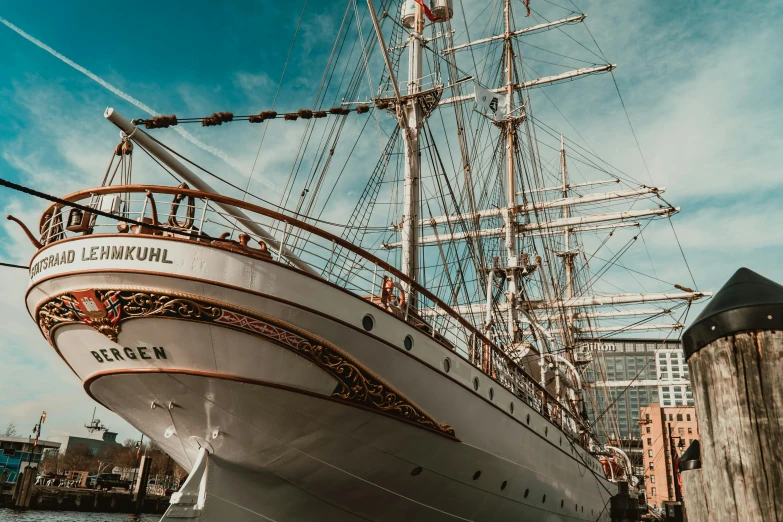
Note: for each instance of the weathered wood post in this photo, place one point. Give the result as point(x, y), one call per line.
point(24, 487)
point(693, 494)
point(140, 488)
point(735, 354)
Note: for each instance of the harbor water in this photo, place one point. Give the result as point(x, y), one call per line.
point(9, 515)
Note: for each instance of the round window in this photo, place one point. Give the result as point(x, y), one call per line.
point(408, 343)
point(446, 365)
point(368, 322)
point(492, 394)
point(475, 383)
point(511, 407)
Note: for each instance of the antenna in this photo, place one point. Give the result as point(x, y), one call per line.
point(95, 424)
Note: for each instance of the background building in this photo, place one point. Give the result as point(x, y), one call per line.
point(18, 453)
point(624, 375)
point(629, 374)
point(659, 469)
point(93, 444)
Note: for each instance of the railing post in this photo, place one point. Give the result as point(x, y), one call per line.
point(330, 264)
point(203, 216)
point(282, 242)
point(51, 224)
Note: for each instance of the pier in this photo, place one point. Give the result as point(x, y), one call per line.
point(79, 499)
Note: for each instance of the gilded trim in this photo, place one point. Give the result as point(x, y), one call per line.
point(106, 310)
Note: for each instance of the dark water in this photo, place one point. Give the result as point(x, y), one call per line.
point(8, 515)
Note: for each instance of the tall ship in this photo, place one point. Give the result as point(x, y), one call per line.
point(398, 333)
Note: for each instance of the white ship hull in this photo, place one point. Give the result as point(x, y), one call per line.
point(305, 414)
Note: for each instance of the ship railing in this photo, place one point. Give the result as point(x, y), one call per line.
point(192, 215)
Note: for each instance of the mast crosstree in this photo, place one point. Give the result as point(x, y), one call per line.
point(531, 293)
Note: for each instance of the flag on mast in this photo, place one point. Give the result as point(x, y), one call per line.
point(527, 6)
point(492, 102)
point(428, 11)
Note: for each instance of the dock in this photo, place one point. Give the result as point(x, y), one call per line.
point(52, 498)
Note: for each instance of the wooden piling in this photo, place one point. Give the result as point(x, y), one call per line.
point(694, 497)
point(735, 355)
point(24, 487)
point(140, 488)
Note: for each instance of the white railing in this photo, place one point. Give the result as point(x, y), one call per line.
point(194, 215)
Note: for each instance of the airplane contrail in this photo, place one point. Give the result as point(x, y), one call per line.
point(125, 96)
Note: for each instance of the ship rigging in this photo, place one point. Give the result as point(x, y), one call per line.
point(468, 278)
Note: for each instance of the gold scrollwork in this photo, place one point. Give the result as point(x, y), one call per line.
point(357, 385)
point(142, 304)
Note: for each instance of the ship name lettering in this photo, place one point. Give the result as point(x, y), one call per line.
point(65, 257)
point(100, 253)
point(105, 355)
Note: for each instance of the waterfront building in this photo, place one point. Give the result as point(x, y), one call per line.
point(93, 444)
point(17, 453)
point(659, 424)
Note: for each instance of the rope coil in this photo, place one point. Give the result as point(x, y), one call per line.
point(161, 122)
point(217, 118)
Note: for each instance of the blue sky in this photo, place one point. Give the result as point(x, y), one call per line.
point(700, 81)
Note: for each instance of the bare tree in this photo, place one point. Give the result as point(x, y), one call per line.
point(10, 430)
point(80, 458)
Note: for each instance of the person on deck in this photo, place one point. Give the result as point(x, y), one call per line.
point(387, 287)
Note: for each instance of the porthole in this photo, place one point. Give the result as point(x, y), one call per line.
point(475, 383)
point(476, 475)
point(546, 430)
point(562, 503)
point(492, 394)
point(543, 500)
point(368, 322)
point(446, 365)
point(561, 441)
point(583, 509)
point(576, 507)
point(528, 419)
point(503, 485)
point(416, 470)
point(408, 343)
point(527, 491)
point(511, 407)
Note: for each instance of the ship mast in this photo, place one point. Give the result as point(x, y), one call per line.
point(411, 125)
point(567, 254)
point(509, 215)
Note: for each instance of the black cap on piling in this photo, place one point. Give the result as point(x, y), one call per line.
point(746, 302)
point(691, 459)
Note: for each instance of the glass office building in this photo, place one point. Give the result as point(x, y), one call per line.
point(623, 375)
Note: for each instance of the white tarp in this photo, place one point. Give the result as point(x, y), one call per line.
point(491, 102)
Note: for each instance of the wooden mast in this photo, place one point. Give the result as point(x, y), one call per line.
point(411, 126)
point(510, 219)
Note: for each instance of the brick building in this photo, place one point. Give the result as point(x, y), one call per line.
point(655, 422)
